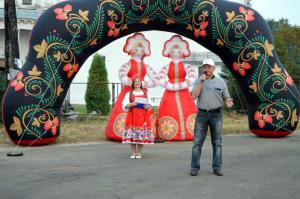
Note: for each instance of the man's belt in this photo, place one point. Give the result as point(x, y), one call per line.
point(217, 110)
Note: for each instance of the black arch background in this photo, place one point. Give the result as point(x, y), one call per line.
point(238, 34)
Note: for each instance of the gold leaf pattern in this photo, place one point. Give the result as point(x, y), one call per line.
point(57, 56)
point(205, 13)
point(124, 27)
point(110, 12)
point(256, 54)
point(94, 42)
point(145, 21)
point(294, 118)
point(253, 87)
point(36, 122)
point(279, 115)
point(220, 42)
point(41, 49)
point(170, 21)
point(34, 72)
point(276, 69)
point(84, 15)
point(230, 16)
point(16, 126)
point(189, 27)
point(269, 48)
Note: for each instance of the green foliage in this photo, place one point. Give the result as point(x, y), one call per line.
point(101, 24)
point(3, 85)
point(287, 44)
point(97, 94)
point(234, 90)
point(22, 109)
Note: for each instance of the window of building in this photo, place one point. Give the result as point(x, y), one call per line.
point(27, 2)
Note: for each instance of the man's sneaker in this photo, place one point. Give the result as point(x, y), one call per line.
point(194, 173)
point(218, 173)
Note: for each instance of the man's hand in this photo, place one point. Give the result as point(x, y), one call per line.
point(197, 89)
point(229, 102)
point(203, 77)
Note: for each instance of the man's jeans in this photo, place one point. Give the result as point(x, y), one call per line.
point(214, 122)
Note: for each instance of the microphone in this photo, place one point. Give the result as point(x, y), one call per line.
point(205, 73)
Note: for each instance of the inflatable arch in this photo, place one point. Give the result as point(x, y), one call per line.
point(69, 32)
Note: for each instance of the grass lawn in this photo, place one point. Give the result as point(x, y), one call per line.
point(80, 108)
point(92, 129)
point(85, 130)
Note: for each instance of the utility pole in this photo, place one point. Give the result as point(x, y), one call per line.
point(11, 46)
point(12, 54)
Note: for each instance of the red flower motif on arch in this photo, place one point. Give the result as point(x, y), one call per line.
point(71, 69)
point(289, 80)
point(61, 13)
point(113, 31)
point(18, 82)
point(262, 119)
point(241, 68)
point(52, 124)
point(201, 31)
point(248, 13)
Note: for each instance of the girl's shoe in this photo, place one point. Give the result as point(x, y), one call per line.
point(138, 156)
point(133, 155)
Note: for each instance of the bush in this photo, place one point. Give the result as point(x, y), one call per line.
point(97, 94)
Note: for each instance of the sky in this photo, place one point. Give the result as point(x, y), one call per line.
point(277, 9)
point(115, 57)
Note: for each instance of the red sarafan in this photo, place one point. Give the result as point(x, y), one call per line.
point(177, 110)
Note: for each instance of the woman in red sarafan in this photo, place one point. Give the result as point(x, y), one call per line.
point(138, 47)
point(137, 103)
point(177, 111)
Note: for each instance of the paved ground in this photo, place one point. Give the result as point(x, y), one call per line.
point(253, 167)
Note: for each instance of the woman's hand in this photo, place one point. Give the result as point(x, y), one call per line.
point(147, 106)
point(128, 106)
point(133, 104)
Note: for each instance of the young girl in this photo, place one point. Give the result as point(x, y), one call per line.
point(137, 103)
point(138, 47)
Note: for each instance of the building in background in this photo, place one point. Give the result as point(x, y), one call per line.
point(196, 58)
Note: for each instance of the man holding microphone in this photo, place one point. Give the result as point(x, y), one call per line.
point(210, 92)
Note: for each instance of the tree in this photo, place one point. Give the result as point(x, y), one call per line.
point(11, 35)
point(11, 44)
point(287, 43)
point(97, 94)
point(234, 90)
